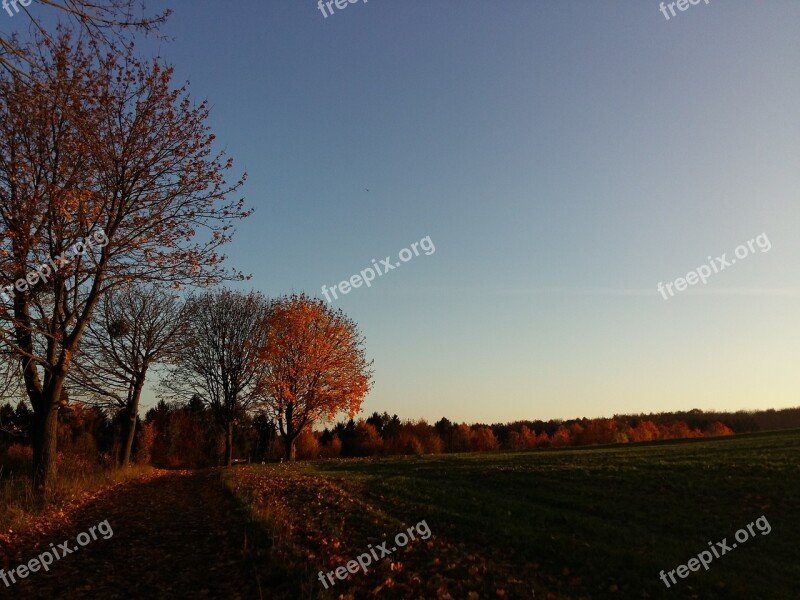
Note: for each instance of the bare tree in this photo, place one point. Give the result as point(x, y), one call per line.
point(219, 361)
point(103, 24)
point(133, 329)
point(106, 178)
point(10, 374)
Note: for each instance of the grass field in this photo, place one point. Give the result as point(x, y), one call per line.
point(580, 523)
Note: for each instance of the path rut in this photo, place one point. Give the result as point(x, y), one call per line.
point(175, 536)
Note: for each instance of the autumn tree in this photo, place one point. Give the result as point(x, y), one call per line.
point(178, 436)
point(598, 431)
point(134, 328)
point(405, 441)
point(219, 357)
point(560, 437)
point(331, 447)
point(461, 440)
point(677, 430)
point(575, 432)
point(483, 439)
point(543, 440)
point(718, 428)
point(644, 431)
point(315, 366)
point(367, 440)
point(307, 444)
point(107, 177)
point(528, 438)
point(426, 434)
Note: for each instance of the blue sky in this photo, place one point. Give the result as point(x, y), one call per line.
point(564, 158)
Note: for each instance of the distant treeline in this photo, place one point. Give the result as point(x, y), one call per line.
point(381, 434)
point(186, 435)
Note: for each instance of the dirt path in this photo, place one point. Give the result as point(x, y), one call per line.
point(175, 536)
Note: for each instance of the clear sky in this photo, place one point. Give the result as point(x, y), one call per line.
point(564, 157)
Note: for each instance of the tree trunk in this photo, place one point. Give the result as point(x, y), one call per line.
point(229, 444)
point(289, 450)
point(130, 424)
point(44, 438)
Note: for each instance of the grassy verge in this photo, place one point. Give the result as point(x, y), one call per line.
point(578, 523)
point(314, 523)
point(20, 507)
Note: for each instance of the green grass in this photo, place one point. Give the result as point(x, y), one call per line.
point(595, 522)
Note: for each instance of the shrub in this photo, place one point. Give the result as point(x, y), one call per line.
point(307, 445)
point(16, 460)
point(332, 449)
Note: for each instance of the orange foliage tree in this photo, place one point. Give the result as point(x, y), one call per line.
point(677, 430)
point(718, 428)
point(315, 366)
point(560, 437)
point(414, 437)
point(524, 439)
point(307, 445)
point(104, 152)
point(644, 431)
point(461, 440)
point(542, 440)
point(332, 449)
point(575, 433)
point(599, 431)
point(367, 442)
point(483, 439)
